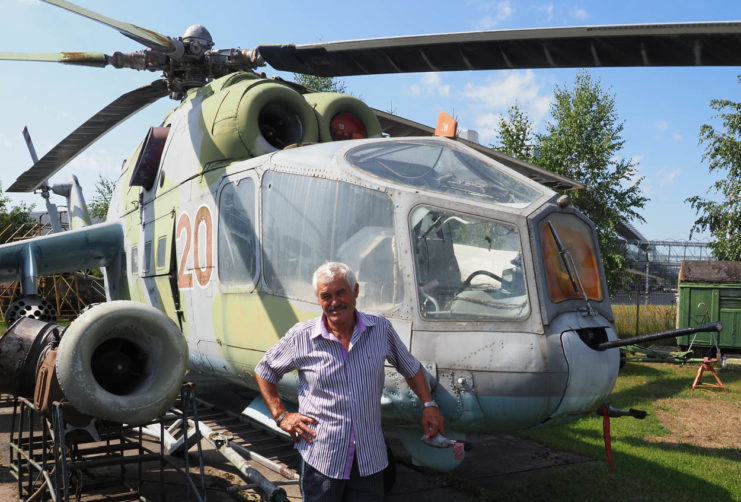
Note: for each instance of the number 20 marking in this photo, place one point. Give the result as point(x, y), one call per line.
point(203, 274)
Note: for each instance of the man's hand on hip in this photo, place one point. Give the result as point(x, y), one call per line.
point(299, 427)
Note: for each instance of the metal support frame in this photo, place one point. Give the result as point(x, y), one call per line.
point(48, 455)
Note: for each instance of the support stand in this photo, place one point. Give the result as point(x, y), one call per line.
point(707, 366)
point(48, 455)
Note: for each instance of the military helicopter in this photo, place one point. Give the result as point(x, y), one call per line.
point(223, 211)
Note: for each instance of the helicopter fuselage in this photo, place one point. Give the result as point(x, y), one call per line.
point(227, 250)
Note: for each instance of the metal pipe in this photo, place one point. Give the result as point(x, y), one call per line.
point(713, 326)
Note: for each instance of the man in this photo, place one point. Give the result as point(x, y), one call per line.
point(340, 361)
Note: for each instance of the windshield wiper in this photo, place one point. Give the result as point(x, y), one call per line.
point(569, 265)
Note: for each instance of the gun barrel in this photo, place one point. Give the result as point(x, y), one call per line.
point(713, 326)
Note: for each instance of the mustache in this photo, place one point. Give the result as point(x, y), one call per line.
point(336, 308)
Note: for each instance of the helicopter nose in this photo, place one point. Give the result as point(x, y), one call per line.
point(592, 373)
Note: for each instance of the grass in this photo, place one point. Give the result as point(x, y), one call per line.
point(651, 319)
point(653, 460)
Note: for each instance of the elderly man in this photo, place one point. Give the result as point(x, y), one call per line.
point(340, 361)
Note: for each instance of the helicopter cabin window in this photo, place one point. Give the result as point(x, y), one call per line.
point(237, 239)
point(467, 268)
point(134, 260)
point(161, 251)
point(439, 167)
point(147, 258)
point(148, 161)
point(308, 221)
point(571, 266)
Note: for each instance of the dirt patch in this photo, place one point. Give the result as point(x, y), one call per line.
point(699, 422)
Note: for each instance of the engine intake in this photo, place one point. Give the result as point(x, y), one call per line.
point(121, 361)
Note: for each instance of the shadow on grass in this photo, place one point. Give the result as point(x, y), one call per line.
point(661, 383)
point(596, 449)
point(724, 453)
point(635, 477)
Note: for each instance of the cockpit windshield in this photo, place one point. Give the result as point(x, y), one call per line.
point(438, 167)
point(467, 268)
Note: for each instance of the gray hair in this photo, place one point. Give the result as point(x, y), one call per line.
point(332, 270)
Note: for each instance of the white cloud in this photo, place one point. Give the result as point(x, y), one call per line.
point(677, 137)
point(580, 14)
point(495, 13)
point(431, 84)
point(488, 120)
point(662, 125)
point(516, 86)
point(89, 164)
point(667, 178)
point(486, 126)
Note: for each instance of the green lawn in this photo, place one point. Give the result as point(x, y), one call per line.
point(654, 458)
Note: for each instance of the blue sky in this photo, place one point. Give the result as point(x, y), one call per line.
point(662, 108)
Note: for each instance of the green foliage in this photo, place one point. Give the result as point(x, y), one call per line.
point(516, 134)
point(320, 84)
point(12, 218)
point(103, 191)
point(723, 154)
point(583, 142)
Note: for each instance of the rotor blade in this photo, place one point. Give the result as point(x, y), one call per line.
point(97, 59)
point(396, 126)
point(87, 134)
point(146, 37)
point(686, 44)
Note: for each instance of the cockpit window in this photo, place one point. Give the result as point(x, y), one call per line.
point(435, 166)
point(570, 259)
point(467, 268)
point(308, 221)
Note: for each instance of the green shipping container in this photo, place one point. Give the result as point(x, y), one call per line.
point(710, 291)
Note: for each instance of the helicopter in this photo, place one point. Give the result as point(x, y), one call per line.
point(223, 211)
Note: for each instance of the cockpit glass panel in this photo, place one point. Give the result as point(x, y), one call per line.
point(308, 221)
point(467, 268)
point(438, 167)
point(571, 267)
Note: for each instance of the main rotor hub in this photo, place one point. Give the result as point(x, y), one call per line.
point(198, 35)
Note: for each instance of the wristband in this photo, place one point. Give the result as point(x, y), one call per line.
point(280, 418)
point(430, 404)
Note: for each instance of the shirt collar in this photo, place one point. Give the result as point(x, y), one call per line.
point(362, 321)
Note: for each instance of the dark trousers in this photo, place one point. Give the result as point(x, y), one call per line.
point(316, 487)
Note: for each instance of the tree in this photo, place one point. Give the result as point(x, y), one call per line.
point(583, 142)
point(723, 154)
point(320, 84)
point(102, 198)
point(516, 134)
point(13, 218)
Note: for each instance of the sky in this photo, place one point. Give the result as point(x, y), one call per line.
point(662, 109)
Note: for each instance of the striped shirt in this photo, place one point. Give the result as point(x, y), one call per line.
point(342, 391)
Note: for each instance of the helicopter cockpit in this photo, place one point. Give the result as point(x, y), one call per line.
point(466, 267)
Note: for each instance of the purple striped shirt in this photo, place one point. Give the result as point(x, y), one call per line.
point(342, 393)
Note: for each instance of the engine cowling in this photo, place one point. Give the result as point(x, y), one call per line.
point(121, 361)
point(341, 116)
point(247, 116)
